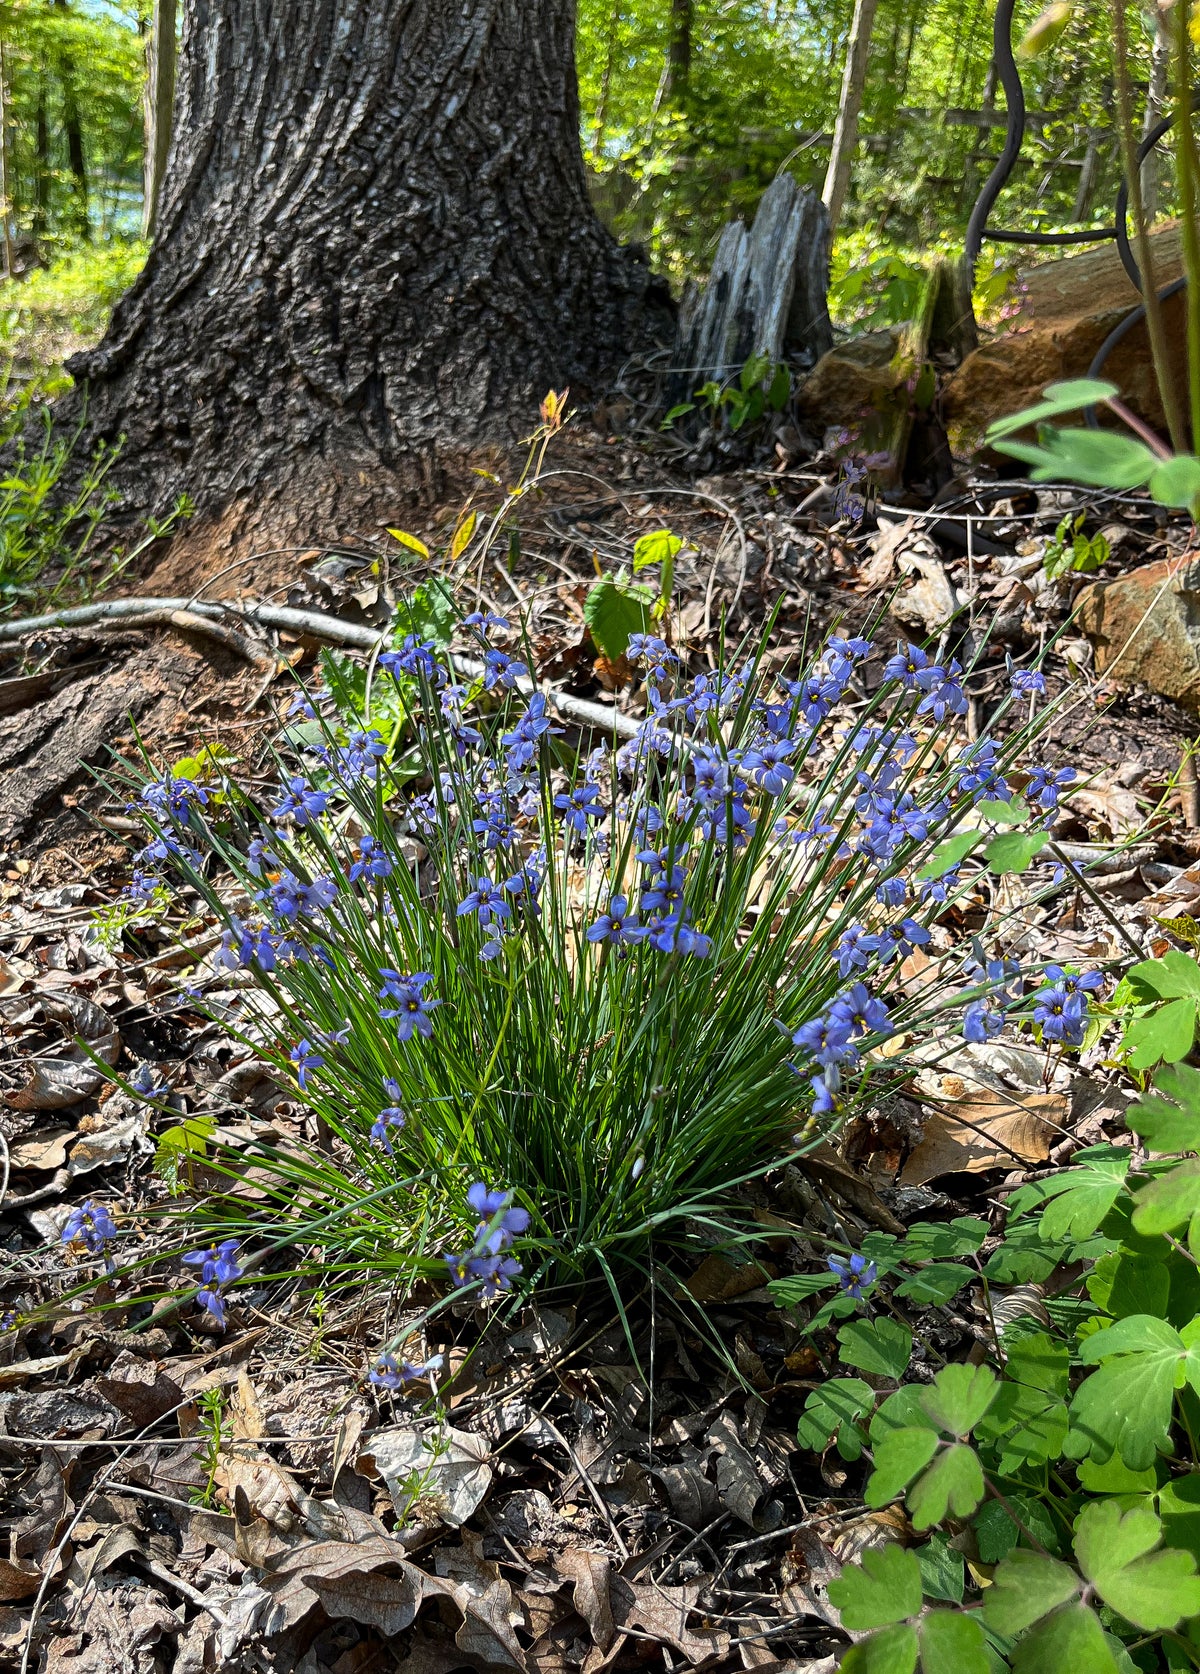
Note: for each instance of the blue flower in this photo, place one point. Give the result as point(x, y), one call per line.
point(579, 806)
point(389, 1375)
point(91, 1225)
point(855, 1276)
point(482, 623)
point(217, 1263)
point(300, 803)
point(174, 798)
point(982, 1022)
point(391, 1116)
point(145, 1081)
point(500, 1223)
point(306, 1059)
point(906, 665)
point(769, 764)
point(415, 657)
point(502, 670)
point(618, 924)
point(1061, 1013)
point(362, 752)
point(373, 860)
point(492, 1273)
point(854, 950)
point(486, 900)
point(827, 1038)
point(1044, 786)
point(863, 1011)
point(412, 1007)
point(1025, 681)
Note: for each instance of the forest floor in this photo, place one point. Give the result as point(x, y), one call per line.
point(594, 1508)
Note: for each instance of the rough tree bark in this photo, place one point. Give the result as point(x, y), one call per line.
point(374, 246)
point(158, 105)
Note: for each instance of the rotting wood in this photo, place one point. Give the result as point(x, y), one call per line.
point(765, 295)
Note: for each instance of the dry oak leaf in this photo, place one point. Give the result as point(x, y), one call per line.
point(445, 1472)
point(64, 1080)
point(984, 1132)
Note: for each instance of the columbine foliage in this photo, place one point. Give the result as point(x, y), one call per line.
point(1071, 1459)
point(564, 1002)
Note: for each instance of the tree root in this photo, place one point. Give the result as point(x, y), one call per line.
point(203, 616)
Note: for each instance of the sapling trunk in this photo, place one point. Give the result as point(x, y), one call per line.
point(1155, 327)
point(1189, 172)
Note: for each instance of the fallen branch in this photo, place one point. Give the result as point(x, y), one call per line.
point(316, 624)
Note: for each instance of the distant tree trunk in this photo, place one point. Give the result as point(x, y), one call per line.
point(159, 104)
point(1156, 100)
point(6, 230)
point(679, 53)
point(374, 250)
point(845, 134)
point(76, 158)
point(40, 223)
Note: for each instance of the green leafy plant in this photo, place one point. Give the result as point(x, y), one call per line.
point(211, 1413)
point(618, 606)
point(1157, 1004)
point(760, 387)
point(1070, 551)
point(483, 988)
point(52, 507)
point(1065, 1469)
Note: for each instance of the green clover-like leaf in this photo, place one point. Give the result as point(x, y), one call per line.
point(884, 1587)
point(959, 1396)
point(882, 1347)
point(1168, 1202)
point(833, 1412)
point(893, 1650)
point(1125, 1407)
point(1025, 1587)
point(1070, 1639)
point(952, 1643)
point(1121, 1554)
point(951, 1487)
point(900, 1455)
point(1169, 1118)
point(934, 1285)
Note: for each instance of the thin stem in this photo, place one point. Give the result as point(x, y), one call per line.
point(1188, 169)
point(1095, 898)
point(1153, 442)
point(1154, 315)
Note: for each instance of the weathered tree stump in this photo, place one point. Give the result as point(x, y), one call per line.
point(766, 293)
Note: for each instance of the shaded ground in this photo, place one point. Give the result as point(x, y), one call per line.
point(602, 1502)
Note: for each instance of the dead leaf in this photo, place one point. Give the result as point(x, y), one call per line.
point(717, 1279)
point(109, 1145)
point(442, 1475)
point(43, 1150)
point(739, 1485)
point(589, 1575)
point(139, 1388)
point(18, 1580)
point(64, 1080)
point(981, 1133)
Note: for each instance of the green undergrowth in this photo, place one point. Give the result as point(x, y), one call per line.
point(1051, 1483)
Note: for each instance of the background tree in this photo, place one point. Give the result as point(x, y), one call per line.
point(374, 248)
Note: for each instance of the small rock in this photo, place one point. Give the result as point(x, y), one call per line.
point(853, 379)
point(1145, 628)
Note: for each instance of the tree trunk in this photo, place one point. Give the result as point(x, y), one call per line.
point(845, 134)
point(1156, 100)
point(679, 53)
point(76, 158)
point(6, 230)
point(158, 104)
point(374, 248)
point(40, 223)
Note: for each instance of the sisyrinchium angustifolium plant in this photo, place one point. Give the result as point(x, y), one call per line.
point(588, 993)
point(1052, 1486)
